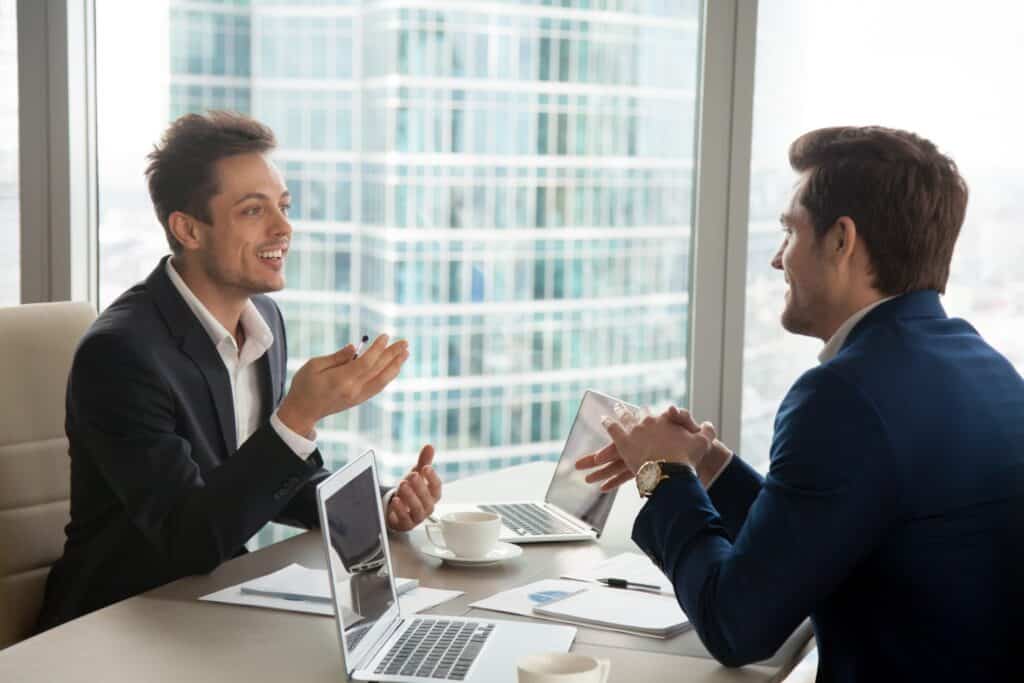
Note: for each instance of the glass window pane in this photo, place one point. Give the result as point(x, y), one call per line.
point(899, 76)
point(10, 224)
point(461, 178)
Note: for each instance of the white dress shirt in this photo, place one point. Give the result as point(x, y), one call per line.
point(241, 367)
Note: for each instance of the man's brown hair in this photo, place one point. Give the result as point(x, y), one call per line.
point(181, 172)
point(906, 198)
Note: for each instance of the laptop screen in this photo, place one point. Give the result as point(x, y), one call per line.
point(569, 489)
point(360, 572)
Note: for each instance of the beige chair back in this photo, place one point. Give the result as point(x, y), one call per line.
point(37, 342)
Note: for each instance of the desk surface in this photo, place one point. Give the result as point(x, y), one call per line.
point(167, 635)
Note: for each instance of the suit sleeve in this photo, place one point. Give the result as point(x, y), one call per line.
point(125, 414)
point(734, 492)
point(820, 511)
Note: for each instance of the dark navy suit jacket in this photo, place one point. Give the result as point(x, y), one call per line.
point(892, 514)
point(159, 488)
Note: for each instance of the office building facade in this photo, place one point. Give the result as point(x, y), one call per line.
point(507, 185)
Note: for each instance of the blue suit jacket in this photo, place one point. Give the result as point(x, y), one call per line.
point(892, 514)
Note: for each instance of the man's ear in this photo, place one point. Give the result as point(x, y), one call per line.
point(842, 238)
point(185, 229)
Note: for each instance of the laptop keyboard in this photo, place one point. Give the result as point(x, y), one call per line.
point(436, 648)
point(530, 519)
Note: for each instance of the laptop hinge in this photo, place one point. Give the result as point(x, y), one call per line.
point(384, 638)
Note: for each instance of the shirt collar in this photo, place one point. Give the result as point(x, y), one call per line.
point(255, 327)
point(836, 342)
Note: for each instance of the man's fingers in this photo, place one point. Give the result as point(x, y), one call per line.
point(433, 482)
point(426, 457)
point(381, 376)
point(606, 472)
point(399, 513)
point(419, 485)
point(342, 356)
point(616, 482)
point(682, 418)
point(607, 454)
point(617, 433)
point(382, 359)
point(625, 416)
point(408, 494)
point(708, 431)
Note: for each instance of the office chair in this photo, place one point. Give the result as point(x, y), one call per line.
point(37, 342)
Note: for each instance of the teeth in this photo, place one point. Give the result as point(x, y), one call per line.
point(275, 253)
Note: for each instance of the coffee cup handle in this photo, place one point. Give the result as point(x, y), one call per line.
point(605, 666)
point(435, 527)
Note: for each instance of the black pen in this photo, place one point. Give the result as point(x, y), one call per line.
point(362, 343)
point(623, 583)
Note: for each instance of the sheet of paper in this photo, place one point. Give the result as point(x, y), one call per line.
point(294, 580)
point(635, 567)
point(522, 600)
point(416, 600)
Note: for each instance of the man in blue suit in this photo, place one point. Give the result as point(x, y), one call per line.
point(892, 513)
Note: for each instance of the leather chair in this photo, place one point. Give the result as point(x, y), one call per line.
point(37, 343)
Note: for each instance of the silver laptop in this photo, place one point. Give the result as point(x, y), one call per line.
point(572, 509)
point(378, 642)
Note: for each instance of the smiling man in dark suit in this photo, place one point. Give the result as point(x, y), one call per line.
point(892, 513)
point(183, 440)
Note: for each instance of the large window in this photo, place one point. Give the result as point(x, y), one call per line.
point(10, 227)
point(508, 187)
point(933, 68)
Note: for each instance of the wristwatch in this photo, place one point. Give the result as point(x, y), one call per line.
point(654, 472)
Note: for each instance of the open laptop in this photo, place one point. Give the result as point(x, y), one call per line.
point(378, 642)
point(572, 509)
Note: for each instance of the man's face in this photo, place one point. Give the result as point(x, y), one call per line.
point(802, 260)
point(245, 246)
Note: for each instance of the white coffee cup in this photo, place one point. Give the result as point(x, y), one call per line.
point(562, 667)
point(468, 534)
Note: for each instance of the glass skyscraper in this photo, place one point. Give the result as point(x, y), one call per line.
point(507, 185)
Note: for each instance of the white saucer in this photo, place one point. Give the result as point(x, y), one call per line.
point(499, 553)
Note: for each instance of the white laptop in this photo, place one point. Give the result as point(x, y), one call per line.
point(572, 509)
point(378, 642)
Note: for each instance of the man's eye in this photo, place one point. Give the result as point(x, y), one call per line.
point(285, 208)
point(252, 211)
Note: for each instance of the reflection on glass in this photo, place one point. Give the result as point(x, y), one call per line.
point(359, 569)
point(569, 489)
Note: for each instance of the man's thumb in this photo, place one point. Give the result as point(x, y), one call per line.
point(426, 457)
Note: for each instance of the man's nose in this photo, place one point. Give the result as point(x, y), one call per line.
point(777, 260)
point(282, 226)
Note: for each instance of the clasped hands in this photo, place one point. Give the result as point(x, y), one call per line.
point(673, 436)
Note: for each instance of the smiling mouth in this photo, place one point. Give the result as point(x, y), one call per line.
point(275, 255)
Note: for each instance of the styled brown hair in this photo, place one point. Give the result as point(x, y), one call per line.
point(906, 198)
point(181, 173)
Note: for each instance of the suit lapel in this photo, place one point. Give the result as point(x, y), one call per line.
point(271, 363)
point(196, 344)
